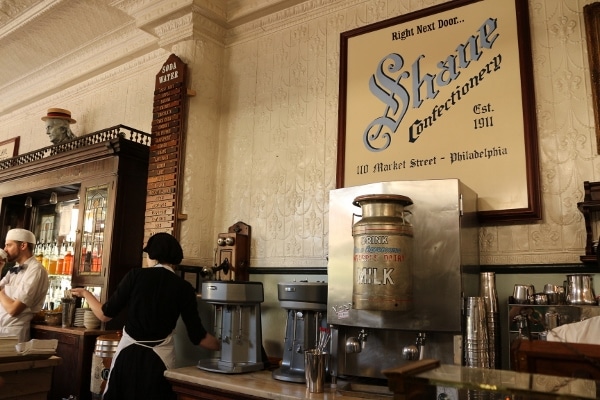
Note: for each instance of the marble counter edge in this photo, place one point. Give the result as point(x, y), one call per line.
point(30, 364)
point(259, 384)
point(72, 330)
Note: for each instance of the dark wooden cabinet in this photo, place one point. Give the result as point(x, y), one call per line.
point(103, 177)
point(76, 348)
point(590, 208)
point(188, 391)
point(573, 360)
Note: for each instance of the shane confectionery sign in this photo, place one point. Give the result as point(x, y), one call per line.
point(444, 92)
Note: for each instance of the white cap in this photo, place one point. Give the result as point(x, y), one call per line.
point(3, 254)
point(21, 235)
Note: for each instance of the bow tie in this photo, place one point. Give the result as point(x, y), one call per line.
point(15, 270)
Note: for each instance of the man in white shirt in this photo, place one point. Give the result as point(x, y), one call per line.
point(23, 290)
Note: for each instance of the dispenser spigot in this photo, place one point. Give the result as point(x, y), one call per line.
point(420, 343)
point(362, 338)
point(415, 351)
point(356, 344)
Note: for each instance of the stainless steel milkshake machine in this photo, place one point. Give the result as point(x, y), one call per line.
point(237, 324)
point(427, 317)
point(306, 305)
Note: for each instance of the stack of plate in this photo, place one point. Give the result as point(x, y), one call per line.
point(90, 321)
point(79, 313)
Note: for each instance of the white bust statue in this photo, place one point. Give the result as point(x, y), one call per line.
point(58, 128)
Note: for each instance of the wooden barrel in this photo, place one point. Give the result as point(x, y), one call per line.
point(106, 346)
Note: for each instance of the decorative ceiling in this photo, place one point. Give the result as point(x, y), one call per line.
point(49, 45)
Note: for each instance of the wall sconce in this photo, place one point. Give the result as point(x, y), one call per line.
point(53, 198)
point(28, 202)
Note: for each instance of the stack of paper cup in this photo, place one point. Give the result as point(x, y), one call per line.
point(487, 287)
point(475, 345)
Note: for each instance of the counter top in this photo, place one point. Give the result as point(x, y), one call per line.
point(29, 378)
point(72, 330)
point(20, 363)
point(260, 384)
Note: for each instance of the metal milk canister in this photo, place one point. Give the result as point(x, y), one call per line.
point(383, 254)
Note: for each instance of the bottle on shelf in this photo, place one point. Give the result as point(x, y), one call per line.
point(46, 256)
point(82, 259)
point(68, 263)
point(53, 259)
point(87, 264)
point(60, 264)
point(39, 251)
point(96, 260)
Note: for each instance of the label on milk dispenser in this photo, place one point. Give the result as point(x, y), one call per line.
point(382, 272)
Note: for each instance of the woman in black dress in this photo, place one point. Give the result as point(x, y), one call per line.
point(155, 298)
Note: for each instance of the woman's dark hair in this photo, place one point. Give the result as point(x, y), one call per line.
point(164, 248)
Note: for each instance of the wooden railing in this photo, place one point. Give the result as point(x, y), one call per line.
point(118, 131)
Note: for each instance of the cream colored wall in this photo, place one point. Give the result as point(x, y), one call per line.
point(279, 133)
point(122, 96)
point(262, 130)
point(262, 135)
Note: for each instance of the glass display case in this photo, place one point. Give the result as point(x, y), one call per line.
point(92, 237)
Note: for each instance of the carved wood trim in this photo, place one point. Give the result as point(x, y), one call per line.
point(591, 13)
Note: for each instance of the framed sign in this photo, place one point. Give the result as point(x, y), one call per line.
point(444, 92)
point(9, 148)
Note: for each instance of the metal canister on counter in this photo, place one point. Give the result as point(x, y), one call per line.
point(383, 254)
point(551, 319)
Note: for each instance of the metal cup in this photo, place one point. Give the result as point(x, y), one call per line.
point(475, 343)
point(523, 294)
point(487, 290)
point(68, 312)
point(562, 294)
point(315, 366)
point(540, 298)
point(551, 291)
point(551, 319)
point(580, 289)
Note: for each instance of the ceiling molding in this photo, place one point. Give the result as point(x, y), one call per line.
point(47, 46)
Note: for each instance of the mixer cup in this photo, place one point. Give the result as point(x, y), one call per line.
point(305, 304)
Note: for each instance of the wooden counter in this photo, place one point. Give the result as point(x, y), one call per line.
point(76, 348)
point(192, 383)
point(29, 379)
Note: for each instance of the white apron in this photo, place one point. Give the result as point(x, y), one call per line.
point(20, 327)
point(165, 350)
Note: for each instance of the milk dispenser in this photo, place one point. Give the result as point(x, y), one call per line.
point(397, 280)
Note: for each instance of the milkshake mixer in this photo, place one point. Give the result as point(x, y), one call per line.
point(237, 322)
point(305, 304)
